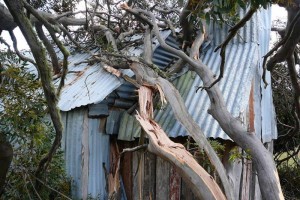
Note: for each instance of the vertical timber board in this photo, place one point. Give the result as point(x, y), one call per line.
point(175, 183)
point(251, 110)
point(85, 157)
point(126, 169)
point(137, 175)
point(149, 176)
point(135, 195)
point(246, 179)
point(186, 192)
point(162, 179)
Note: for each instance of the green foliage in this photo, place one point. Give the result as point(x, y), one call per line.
point(236, 154)
point(22, 120)
point(201, 156)
point(222, 11)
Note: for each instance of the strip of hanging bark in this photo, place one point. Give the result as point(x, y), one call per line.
point(201, 183)
point(113, 71)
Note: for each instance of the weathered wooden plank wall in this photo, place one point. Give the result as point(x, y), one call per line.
point(162, 177)
point(156, 179)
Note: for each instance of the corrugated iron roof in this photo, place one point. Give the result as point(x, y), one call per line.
point(89, 84)
point(243, 63)
point(235, 86)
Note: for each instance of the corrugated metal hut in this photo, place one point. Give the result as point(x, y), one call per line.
point(96, 111)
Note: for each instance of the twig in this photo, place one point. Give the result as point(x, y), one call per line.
point(5, 43)
point(25, 185)
point(22, 57)
point(87, 85)
point(39, 180)
point(288, 157)
point(34, 188)
point(232, 33)
point(137, 148)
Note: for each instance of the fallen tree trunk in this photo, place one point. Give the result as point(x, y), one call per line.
point(201, 183)
point(149, 77)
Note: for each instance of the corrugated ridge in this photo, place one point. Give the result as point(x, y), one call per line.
point(99, 154)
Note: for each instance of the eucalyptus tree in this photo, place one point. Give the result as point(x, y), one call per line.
point(109, 24)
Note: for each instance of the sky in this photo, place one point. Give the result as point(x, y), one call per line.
point(278, 13)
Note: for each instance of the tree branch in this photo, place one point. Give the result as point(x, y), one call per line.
point(263, 160)
point(287, 44)
point(16, 9)
point(232, 32)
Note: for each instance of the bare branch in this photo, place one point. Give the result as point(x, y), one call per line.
point(287, 47)
point(232, 32)
point(148, 46)
point(48, 45)
point(22, 57)
point(109, 36)
point(38, 52)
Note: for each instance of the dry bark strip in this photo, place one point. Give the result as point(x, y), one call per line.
point(202, 184)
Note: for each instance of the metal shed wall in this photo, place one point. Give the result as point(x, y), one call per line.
point(86, 148)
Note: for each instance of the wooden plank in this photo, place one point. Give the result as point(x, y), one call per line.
point(246, 179)
point(251, 110)
point(162, 179)
point(139, 176)
point(175, 183)
point(149, 176)
point(126, 169)
point(186, 193)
